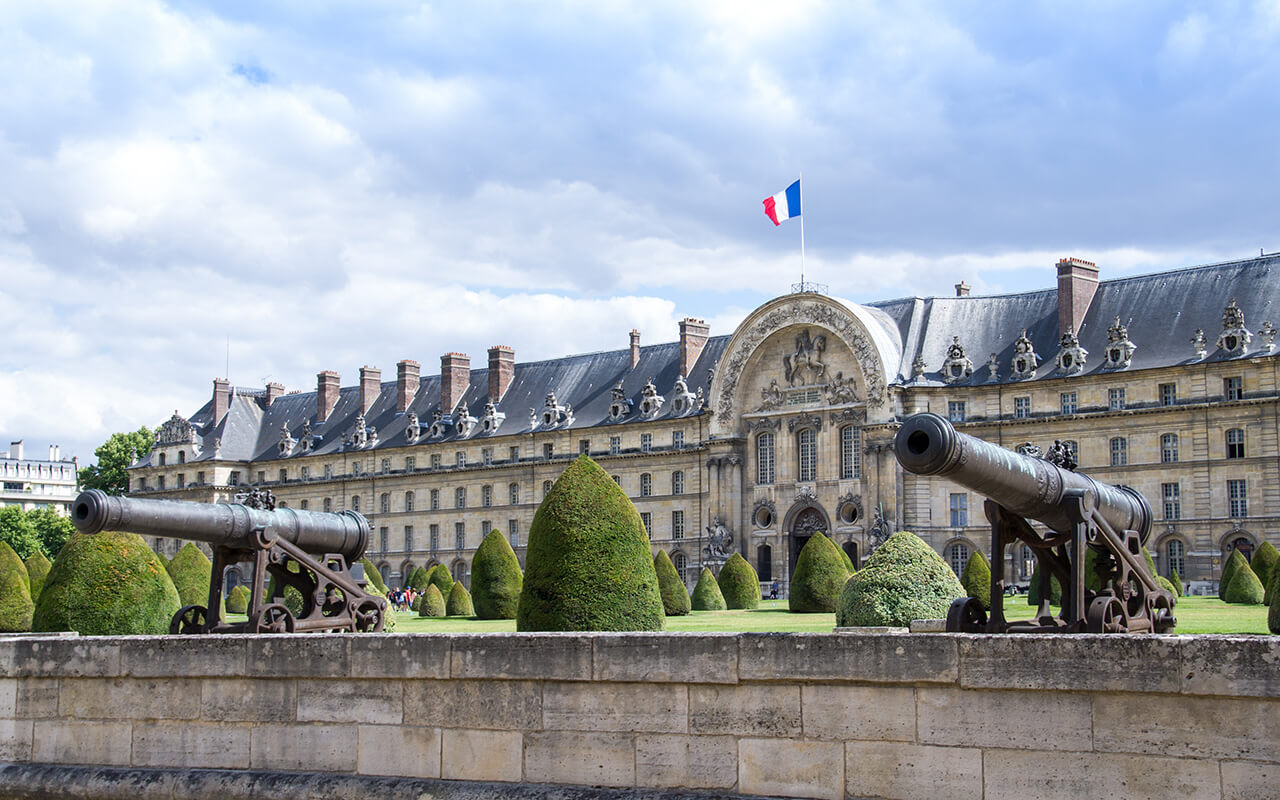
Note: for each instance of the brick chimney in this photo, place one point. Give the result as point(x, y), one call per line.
point(502, 368)
point(326, 394)
point(1077, 281)
point(962, 289)
point(370, 387)
point(274, 390)
point(455, 376)
point(407, 375)
point(221, 398)
point(635, 347)
point(693, 335)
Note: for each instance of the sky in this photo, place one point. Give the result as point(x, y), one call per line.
point(268, 190)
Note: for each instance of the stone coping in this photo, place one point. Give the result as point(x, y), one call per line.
point(1172, 664)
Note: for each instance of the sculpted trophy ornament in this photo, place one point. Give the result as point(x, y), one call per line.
point(1200, 343)
point(412, 430)
point(463, 422)
point(682, 401)
point(1119, 349)
point(620, 405)
point(650, 401)
point(492, 419)
point(1235, 337)
point(957, 366)
point(1025, 359)
point(1071, 356)
point(286, 440)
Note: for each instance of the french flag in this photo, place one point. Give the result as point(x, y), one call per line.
point(784, 205)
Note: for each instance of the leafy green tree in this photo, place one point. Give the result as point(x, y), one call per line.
point(675, 598)
point(114, 457)
point(1273, 606)
point(977, 579)
point(1245, 588)
point(1234, 562)
point(418, 579)
point(17, 531)
point(53, 529)
point(441, 578)
point(706, 594)
point(191, 570)
point(371, 574)
point(238, 600)
point(1055, 589)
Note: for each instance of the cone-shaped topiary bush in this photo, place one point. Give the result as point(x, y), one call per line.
point(190, 570)
point(162, 558)
point(1176, 581)
point(1264, 561)
point(431, 603)
point(903, 580)
point(371, 574)
point(37, 570)
point(1164, 583)
point(976, 579)
point(441, 578)
point(675, 598)
point(739, 583)
point(706, 594)
point(1234, 561)
point(416, 604)
point(459, 602)
point(419, 577)
point(1245, 588)
point(107, 584)
point(238, 600)
point(589, 566)
point(1055, 589)
point(819, 577)
point(15, 592)
point(496, 579)
point(1273, 607)
point(1271, 587)
point(848, 562)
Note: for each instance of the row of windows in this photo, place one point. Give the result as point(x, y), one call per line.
point(513, 494)
point(1068, 402)
point(807, 455)
point(1169, 445)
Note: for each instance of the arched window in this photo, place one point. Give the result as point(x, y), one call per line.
point(327, 504)
point(1119, 451)
point(1244, 546)
point(764, 458)
point(513, 494)
point(681, 563)
point(646, 484)
point(958, 557)
point(384, 503)
point(460, 571)
point(1168, 448)
point(1235, 443)
point(807, 446)
point(850, 452)
point(408, 501)
point(1174, 557)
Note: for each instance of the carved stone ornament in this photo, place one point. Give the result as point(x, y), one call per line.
point(176, 430)
point(849, 508)
point(771, 397)
point(286, 440)
point(1071, 356)
point(880, 530)
point(993, 369)
point(918, 368)
point(1268, 333)
point(841, 391)
point(857, 416)
point(764, 514)
point(818, 312)
point(804, 421)
point(373, 435)
point(763, 424)
point(805, 493)
point(804, 366)
point(441, 424)
point(1119, 348)
point(1029, 449)
point(1025, 359)
point(412, 430)
point(957, 366)
point(305, 440)
point(1200, 343)
point(463, 422)
point(650, 401)
point(808, 522)
point(719, 541)
point(1235, 337)
point(492, 419)
point(621, 404)
point(360, 433)
point(554, 414)
point(682, 401)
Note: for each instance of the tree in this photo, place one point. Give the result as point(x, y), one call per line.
point(1245, 588)
point(17, 531)
point(52, 528)
point(371, 574)
point(1273, 606)
point(819, 578)
point(37, 570)
point(431, 604)
point(496, 579)
point(1176, 581)
point(418, 579)
point(441, 578)
point(190, 571)
point(114, 456)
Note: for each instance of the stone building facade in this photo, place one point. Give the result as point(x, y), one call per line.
point(785, 426)
point(30, 483)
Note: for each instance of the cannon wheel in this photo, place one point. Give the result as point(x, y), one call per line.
point(966, 615)
point(368, 616)
point(1162, 618)
point(1105, 615)
point(273, 618)
point(189, 619)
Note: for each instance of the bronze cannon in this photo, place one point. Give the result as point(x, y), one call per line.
point(1079, 512)
point(312, 552)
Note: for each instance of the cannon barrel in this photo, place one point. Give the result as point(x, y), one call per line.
point(229, 525)
point(927, 444)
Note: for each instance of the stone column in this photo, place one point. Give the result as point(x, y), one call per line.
point(713, 484)
point(735, 500)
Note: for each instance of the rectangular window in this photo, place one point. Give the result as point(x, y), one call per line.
point(327, 505)
point(384, 503)
point(584, 447)
point(435, 461)
point(513, 494)
point(486, 455)
point(1233, 388)
point(486, 496)
point(408, 501)
point(435, 499)
point(677, 524)
point(284, 475)
point(1067, 402)
point(408, 538)
point(1235, 443)
point(513, 533)
point(955, 411)
point(460, 497)
point(1168, 394)
point(647, 519)
point(160, 482)
point(677, 440)
point(959, 510)
point(385, 465)
point(646, 442)
point(1115, 399)
point(548, 450)
point(515, 454)
point(646, 484)
point(850, 452)
point(328, 471)
point(460, 459)
point(485, 527)
point(355, 468)
point(304, 505)
point(615, 445)
point(1172, 495)
point(182, 480)
point(1021, 407)
point(1237, 499)
point(459, 536)
point(304, 473)
point(808, 452)
point(677, 482)
point(410, 463)
point(234, 479)
point(1119, 451)
point(435, 538)
point(262, 477)
point(1169, 448)
point(384, 538)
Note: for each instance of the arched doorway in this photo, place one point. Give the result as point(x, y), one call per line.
point(1242, 544)
point(764, 563)
point(851, 550)
point(805, 522)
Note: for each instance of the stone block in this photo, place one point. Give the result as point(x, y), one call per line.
point(903, 771)
point(59, 656)
point(848, 711)
point(1019, 774)
point(1026, 720)
point(406, 656)
point(248, 700)
point(306, 748)
point(403, 750)
point(586, 759)
point(551, 656)
point(1235, 666)
point(372, 701)
point(671, 761)
point(1087, 663)
point(37, 698)
point(745, 710)
point(310, 656)
point(129, 698)
point(622, 707)
point(190, 745)
point(928, 626)
point(1249, 780)
point(58, 741)
point(882, 658)
point(666, 657)
point(8, 698)
point(1199, 727)
point(15, 739)
point(505, 705)
point(190, 656)
point(791, 768)
point(472, 755)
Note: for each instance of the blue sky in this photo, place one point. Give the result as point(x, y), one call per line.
point(327, 185)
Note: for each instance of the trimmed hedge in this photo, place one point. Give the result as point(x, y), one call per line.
point(459, 602)
point(1234, 561)
point(374, 577)
point(37, 570)
point(819, 578)
point(16, 607)
point(190, 570)
point(675, 598)
point(107, 584)
point(903, 580)
point(1245, 588)
point(589, 566)
point(238, 600)
point(1264, 561)
point(441, 578)
point(418, 579)
point(976, 579)
point(739, 583)
point(431, 604)
point(1176, 581)
point(496, 579)
point(706, 594)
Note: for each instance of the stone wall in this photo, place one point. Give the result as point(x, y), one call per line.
point(809, 715)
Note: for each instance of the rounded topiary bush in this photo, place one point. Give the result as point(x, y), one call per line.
point(675, 598)
point(1176, 581)
point(819, 578)
point(431, 603)
point(37, 570)
point(106, 584)
point(589, 565)
point(419, 577)
point(739, 583)
point(371, 574)
point(1245, 588)
point(459, 602)
point(15, 592)
point(190, 570)
point(706, 594)
point(1234, 561)
point(496, 579)
point(441, 578)
point(976, 579)
point(238, 600)
point(903, 580)
point(1264, 562)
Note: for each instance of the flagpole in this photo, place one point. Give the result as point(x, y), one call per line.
point(801, 231)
